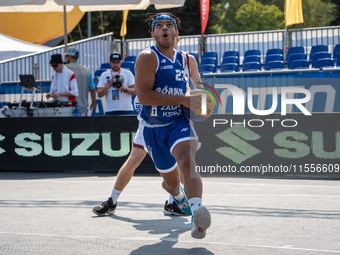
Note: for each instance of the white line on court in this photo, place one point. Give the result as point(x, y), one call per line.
point(276, 184)
point(204, 195)
point(285, 247)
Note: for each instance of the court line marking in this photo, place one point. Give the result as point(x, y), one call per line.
point(204, 182)
point(162, 195)
point(175, 240)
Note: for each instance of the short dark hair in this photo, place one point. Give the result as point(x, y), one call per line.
point(152, 16)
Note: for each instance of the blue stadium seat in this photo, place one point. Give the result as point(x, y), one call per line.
point(251, 66)
point(227, 60)
point(294, 50)
point(274, 57)
point(105, 66)
point(299, 64)
point(99, 72)
point(129, 65)
point(211, 54)
point(208, 68)
point(230, 53)
point(273, 51)
point(252, 58)
point(296, 56)
point(319, 55)
point(229, 67)
point(251, 53)
point(336, 51)
point(130, 58)
point(209, 60)
point(275, 65)
point(324, 62)
point(97, 75)
point(338, 61)
point(316, 49)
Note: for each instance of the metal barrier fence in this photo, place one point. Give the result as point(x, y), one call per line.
point(242, 42)
point(96, 50)
point(309, 37)
point(219, 43)
point(93, 52)
point(187, 43)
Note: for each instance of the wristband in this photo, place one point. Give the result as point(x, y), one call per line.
point(125, 91)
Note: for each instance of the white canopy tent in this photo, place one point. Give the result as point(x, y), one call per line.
point(12, 48)
point(84, 5)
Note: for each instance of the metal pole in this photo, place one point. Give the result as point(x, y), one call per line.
point(65, 29)
point(89, 28)
point(286, 44)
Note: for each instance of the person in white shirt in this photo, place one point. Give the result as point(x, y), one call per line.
point(64, 84)
point(117, 85)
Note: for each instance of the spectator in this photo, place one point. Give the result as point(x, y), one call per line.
point(117, 85)
point(84, 81)
point(64, 84)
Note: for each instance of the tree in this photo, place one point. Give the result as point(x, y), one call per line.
point(336, 21)
point(255, 16)
point(189, 15)
point(225, 13)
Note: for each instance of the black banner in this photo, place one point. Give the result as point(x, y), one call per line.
point(68, 144)
point(292, 145)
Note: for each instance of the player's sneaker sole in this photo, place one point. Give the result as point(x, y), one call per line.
point(201, 221)
point(173, 213)
point(104, 214)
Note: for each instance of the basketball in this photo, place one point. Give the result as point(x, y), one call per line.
point(196, 114)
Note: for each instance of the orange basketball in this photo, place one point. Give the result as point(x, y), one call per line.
point(202, 110)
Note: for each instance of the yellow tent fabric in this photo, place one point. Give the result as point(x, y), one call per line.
point(123, 29)
point(293, 12)
point(39, 27)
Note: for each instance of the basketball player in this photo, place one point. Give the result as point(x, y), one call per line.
point(168, 135)
point(138, 153)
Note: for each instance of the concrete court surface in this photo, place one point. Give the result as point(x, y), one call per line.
point(50, 213)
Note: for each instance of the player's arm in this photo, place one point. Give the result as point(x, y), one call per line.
point(146, 64)
point(195, 76)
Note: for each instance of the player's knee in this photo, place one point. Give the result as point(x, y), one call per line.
point(184, 160)
point(171, 184)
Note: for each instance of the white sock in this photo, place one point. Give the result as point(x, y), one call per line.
point(115, 195)
point(179, 197)
point(171, 199)
point(194, 203)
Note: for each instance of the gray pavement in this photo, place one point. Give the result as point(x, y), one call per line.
point(50, 213)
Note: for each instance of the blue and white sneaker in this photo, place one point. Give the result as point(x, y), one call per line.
point(200, 221)
point(184, 205)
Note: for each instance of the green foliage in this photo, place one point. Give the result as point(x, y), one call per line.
point(225, 13)
point(225, 16)
point(254, 16)
point(189, 15)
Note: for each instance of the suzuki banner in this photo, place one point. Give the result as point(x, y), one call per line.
point(290, 145)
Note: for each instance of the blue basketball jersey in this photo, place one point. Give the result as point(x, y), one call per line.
point(170, 80)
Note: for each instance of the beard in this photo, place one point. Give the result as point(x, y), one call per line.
point(116, 68)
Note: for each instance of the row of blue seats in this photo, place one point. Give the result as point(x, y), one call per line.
point(272, 65)
point(275, 51)
point(296, 58)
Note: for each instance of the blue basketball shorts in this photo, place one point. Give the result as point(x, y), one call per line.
point(161, 140)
